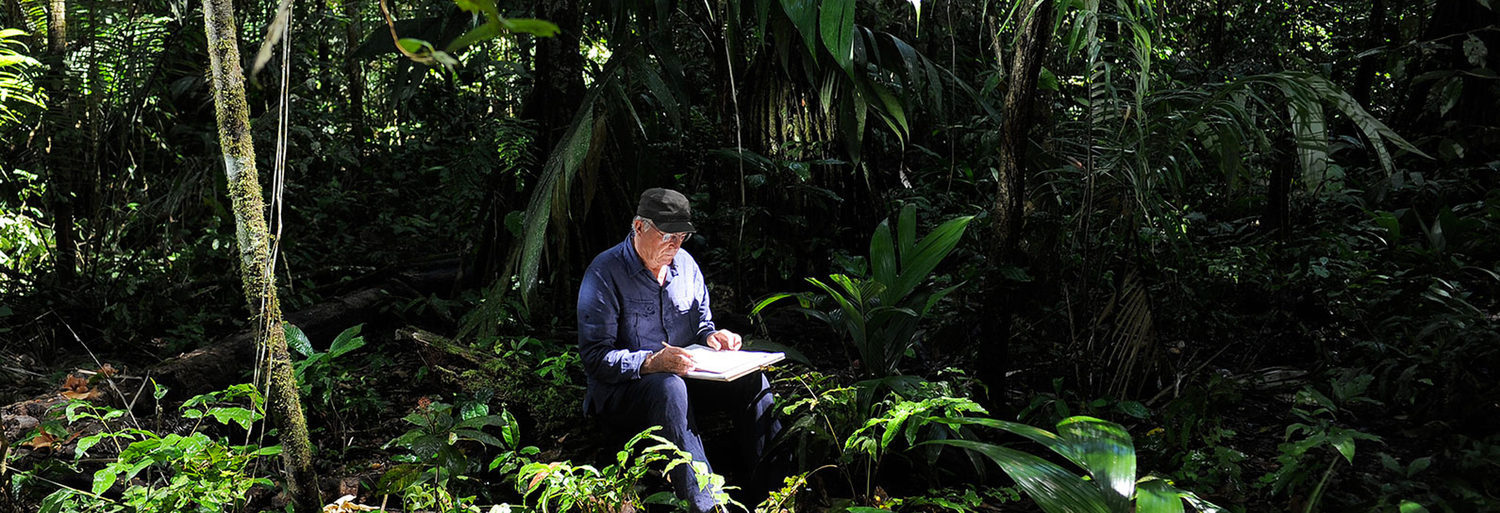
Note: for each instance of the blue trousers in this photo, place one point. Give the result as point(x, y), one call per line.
point(676, 404)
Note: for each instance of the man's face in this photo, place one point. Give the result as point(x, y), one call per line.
point(654, 251)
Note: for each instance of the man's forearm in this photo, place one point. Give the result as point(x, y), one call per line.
point(614, 365)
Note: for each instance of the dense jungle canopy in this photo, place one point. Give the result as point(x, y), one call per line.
point(1094, 255)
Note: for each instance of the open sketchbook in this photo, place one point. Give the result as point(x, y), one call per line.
point(715, 365)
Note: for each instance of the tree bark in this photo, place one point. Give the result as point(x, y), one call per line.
point(552, 103)
point(1020, 99)
point(354, 77)
point(559, 75)
point(285, 405)
point(1374, 34)
point(59, 172)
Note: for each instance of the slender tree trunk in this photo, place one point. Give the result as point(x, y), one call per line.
point(325, 62)
point(13, 12)
point(1374, 34)
point(354, 77)
point(1217, 47)
point(1020, 100)
point(1456, 23)
point(559, 74)
point(552, 103)
point(255, 248)
point(4, 457)
point(1278, 213)
point(59, 171)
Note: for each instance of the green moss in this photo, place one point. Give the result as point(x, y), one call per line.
point(254, 245)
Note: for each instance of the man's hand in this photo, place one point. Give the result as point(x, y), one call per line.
point(671, 359)
point(724, 340)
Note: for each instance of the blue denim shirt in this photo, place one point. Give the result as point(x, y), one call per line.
point(624, 315)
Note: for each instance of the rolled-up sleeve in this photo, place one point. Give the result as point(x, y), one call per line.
point(598, 329)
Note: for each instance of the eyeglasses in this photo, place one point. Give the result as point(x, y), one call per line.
point(677, 238)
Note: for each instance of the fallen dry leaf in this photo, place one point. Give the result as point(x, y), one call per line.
point(41, 441)
point(85, 394)
point(108, 371)
point(77, 387)
point(345, 504)
point(76, 383)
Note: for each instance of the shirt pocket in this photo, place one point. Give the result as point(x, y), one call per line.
point(642, 323)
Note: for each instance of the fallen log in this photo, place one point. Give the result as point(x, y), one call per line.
point(540, 404)
point(226, 362)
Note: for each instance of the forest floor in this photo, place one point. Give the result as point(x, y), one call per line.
point(1236, 438)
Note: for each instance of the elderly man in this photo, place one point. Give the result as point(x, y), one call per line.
point(640, 302)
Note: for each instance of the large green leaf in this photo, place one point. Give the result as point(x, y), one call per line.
point(1055, 489)
point(906, 229)
point(1046, 438)
point(296, 339)
point(661, 92)
point(1155, 495)
point(917, 72)
point(925, 257)
point(883, 254)
point(1326, 91)
point(804, 16)
point(552, 189)
point(1310, 133)
point(1104, 450)
point(854, 318)
point(894, 114)
point(852, 112)
point(539, 28)
point(235, 414)
point(347, 341)
point(485, 32)
point(836, 26)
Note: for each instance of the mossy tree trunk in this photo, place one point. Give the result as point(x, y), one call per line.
point(255, 249)
point(59, 169)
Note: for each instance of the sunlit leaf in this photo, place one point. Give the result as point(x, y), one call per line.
point(1055, 489)
point(1104, 449)
point(1412, 507)
point(416, 46)
point(476, 35)
point(297, 340)
point(485, 7)
point(535, 27)
point(237, 415)
point(1155, 495)
point(104, 479)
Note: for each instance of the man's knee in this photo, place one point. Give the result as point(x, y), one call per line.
point(666, 396)
point(664, 385)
